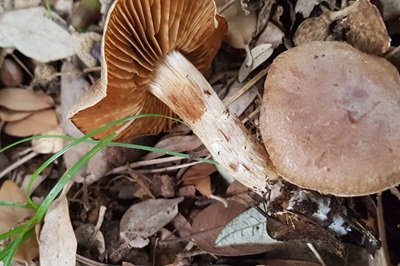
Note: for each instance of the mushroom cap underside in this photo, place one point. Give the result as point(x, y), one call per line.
point(331, 119)
point(138, 35)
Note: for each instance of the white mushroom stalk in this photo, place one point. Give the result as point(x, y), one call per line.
point(184, 89)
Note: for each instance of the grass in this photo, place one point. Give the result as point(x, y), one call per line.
point(25, 231)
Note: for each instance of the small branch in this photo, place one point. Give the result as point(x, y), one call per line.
point(246, 87)
point(382, 232)
point(18, 163)
point(316, 254)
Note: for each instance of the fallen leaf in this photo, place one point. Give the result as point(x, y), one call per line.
point(11, 115)
point(34, 124)
point(35, 35)
point(247, 228)
point(199, 176)
point(263, 16)
point(144, 219)
point(57, 239)
point(48, 145)
point(259, 55)
point(209, 223)
point(24, 100)
point(11, 217)
point(182, 226)
point(271, 34)
point(391, 9)
point(305, 7)
point(367, 31)
point(88, 238)
point(72, 87)
point(175, 143)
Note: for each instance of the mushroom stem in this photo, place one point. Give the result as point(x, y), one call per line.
point(184, 89)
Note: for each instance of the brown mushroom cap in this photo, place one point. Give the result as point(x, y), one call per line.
point(331, 119)
point(138, 34)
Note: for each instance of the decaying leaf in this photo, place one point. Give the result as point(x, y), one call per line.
point(34, 124)
point(367, 31)
point(305, 7)
point(90, 238)
point(263, 16)
point(175, 143)
point(144, 219)
point(242, 103)
point(209, 223)
point(24, 100)
point(199, 176)
point(11, 217)
point(391, 9)
point(35, 35)
point(259, 55)
point(247, 228)
point(272, 34)
point(57, 239)
point(7, 115)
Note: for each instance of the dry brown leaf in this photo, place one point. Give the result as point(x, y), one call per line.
point(24, 100)
point(10, 115)
point(263, 16)
point(175, 143)
point(199, 176)
point(272, 34)
point(57, 239)
point(144, 219)
point(11, 217)
point(208, 224)
point(367, 31)
point(34, 124)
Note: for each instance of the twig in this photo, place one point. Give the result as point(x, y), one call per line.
point(246, 87)
point(395, 191)
point(226, 6)
point(392, 53)
point(250, 116)
point(166, 169)
point(316, 254)
point(18, 163)
point(120, 169)
point(382, 232)
point(19, 62)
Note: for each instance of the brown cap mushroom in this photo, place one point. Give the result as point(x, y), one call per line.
point(137, 36)
point(145, 69)
point(331, 119)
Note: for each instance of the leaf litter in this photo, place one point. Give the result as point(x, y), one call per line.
point(48, 64)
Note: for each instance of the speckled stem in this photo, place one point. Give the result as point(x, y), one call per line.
point(184, 89)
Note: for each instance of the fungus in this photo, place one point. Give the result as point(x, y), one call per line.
point(152, 54)
point(331, 119)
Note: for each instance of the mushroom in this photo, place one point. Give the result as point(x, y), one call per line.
point(330, 119)
point(152, 54)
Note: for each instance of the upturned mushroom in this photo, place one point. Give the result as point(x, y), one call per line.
point(330, 119)
point(152, 54)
